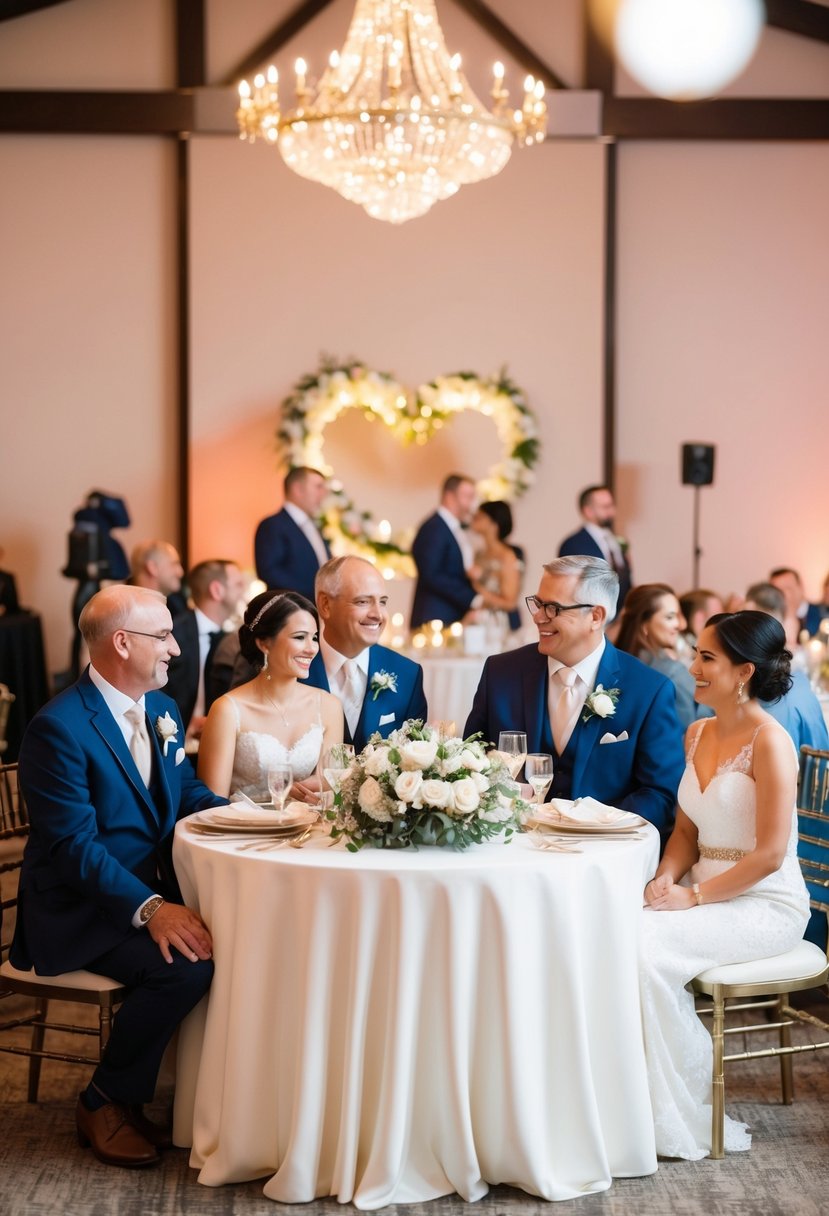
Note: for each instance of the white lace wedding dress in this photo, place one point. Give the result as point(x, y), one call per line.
point(768, 919)
point(257, 751)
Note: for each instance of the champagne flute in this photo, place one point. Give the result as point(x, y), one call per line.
point(539, 774)
point(512, 744)
point(335, 762)
point(280, 780)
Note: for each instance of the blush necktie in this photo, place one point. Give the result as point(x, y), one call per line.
point(140, 747)
point(352, 693)
point(567, 707)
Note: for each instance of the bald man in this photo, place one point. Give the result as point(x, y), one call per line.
point(105, 777)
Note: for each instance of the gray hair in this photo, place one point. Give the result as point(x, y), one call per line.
point(598, 582)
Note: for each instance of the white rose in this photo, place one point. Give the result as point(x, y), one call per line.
point(465, 796)
point(602, 705)
point(480, 781)
point(419, 753)
point(372, 800)
point(436, 793)
point(407, 786)
point(375, 760)
point(472, 759)
point(451, 764)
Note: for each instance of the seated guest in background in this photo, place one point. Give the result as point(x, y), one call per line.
point(443, 555)
point(105, 778)
point(697, 606)
point(800, 614)
point(379, 689)
point(499, 566)
point(216, 588)
point(649, 629)
point(630, 758)
point(289, 546)
point(276, 718)
point(156, 565)
point(798, 710)
point(8, 591)
point(597, 539)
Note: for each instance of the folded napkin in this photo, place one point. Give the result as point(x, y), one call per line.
point(249, 813)
point(586, 810)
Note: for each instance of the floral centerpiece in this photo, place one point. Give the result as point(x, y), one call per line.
point(419, 787)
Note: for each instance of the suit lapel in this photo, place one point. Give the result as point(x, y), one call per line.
point(535, 700)
point(106, 726)
point(166, 811)
point(591, 731)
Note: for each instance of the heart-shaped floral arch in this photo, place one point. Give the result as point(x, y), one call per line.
point(320, 397)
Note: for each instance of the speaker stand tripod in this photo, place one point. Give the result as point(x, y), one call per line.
point(697, 551)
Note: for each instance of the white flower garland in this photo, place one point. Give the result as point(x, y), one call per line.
point(319, 398)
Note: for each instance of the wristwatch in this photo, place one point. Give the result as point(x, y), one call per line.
point(150, 908)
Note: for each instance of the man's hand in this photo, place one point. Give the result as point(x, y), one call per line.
point(175, 925)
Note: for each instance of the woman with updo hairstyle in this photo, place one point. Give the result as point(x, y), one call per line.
point(728, 888)
point(274, 718)
point(649, 628)
point(499, 566)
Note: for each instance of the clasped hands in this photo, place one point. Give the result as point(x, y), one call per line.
point(662, 894)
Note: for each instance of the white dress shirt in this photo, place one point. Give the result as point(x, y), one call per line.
point(464, 544)
point(586, 669)
point(206, 629)
point(335, 670)
point(303, 520)
point(609, 545)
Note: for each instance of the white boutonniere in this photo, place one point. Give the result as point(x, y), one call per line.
point(166, 728)
point(601, 703)
point(383, 681)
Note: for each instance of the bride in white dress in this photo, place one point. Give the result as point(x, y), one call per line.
point(274, 718)
point(728, 888)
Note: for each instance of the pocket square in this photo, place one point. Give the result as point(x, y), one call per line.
point(179, 756)
point(608, 738)
point(385, 719)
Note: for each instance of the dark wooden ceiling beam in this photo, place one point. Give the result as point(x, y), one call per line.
point(799, 17)
point(101, 112)
point(296, 20)
point(509, 40)
point(726, 118)
point(21, 8)
point(191, 44)
point(599, 65)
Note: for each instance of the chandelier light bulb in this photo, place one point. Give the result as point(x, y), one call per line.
point(687, 49)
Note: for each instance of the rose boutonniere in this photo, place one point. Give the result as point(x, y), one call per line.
point(623, 543)
point(166, 728)
point(382, 681)
point(601, 703)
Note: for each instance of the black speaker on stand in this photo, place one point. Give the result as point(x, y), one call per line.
point(697, 470)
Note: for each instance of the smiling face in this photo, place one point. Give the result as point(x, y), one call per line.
point(146, 645)
point(571, 636)
point(717, 679)
point(291, 651)
point(356, 615)
point(662, 629)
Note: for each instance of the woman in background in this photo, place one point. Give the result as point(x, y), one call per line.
point(499, 566)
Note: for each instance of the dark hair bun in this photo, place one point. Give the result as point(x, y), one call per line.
point(755, 637)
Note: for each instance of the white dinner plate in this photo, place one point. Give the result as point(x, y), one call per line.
point(549, 819)
point(260, 823)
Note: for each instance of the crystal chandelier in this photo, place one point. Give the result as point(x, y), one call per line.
point(393, 124)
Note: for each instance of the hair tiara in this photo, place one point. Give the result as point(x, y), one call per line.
point(264, 609)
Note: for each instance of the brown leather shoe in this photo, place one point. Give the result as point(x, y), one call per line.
point(112, 1137)
point(157, 1134)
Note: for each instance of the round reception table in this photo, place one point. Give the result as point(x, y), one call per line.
point(391, 1026)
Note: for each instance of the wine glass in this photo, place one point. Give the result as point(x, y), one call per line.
point(335, 762)
point(539, 774)
point(512, 744)
point(280, 780)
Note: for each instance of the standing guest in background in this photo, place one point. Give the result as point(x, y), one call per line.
point(105, 778)
point(623, 748)
point(156, 565)
point(216, 587)
point(499, 566)
point(443, 555)
point(649, 629)
point(8, 591)
point(379, 688)
point(597, 538)
point(800, 614)
point(797, 710)
point(289, 546)
point(697, 606)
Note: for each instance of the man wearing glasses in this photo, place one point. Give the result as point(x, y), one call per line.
point(104, 777)
point(624, 748)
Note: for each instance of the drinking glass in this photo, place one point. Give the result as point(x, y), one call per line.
point(539, 774)
point(512, 744)
point(335, 762)
point(280, 780)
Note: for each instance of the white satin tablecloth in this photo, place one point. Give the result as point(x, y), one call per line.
point(449, 684)
point(392, 1026)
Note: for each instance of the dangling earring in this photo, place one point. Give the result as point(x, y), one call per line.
point(740, 697)
point(266, 673)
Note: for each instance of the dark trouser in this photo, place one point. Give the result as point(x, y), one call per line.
point(161, 995)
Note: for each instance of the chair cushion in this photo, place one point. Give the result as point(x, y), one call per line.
point(806, 959)
point(82, 980)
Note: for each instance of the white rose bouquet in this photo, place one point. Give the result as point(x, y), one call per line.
point(419, 787)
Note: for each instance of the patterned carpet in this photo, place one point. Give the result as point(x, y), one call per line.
point(44, 1171)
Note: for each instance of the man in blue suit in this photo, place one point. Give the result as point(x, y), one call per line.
point(443, 555)
point(104, 776)
point(379, 688)
point(597, 538)
point(631, 757)
point(289, 547)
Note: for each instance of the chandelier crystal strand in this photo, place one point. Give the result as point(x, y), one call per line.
point(393, 124)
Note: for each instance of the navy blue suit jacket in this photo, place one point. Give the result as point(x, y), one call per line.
point(389, 710)
point(443, 591)
point(285, 558)
point(799, 712)
point(582, 542)
point(98, 838)
point(639, 774)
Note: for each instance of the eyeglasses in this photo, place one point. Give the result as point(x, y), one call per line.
point(164, 636)
point(551, 608)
